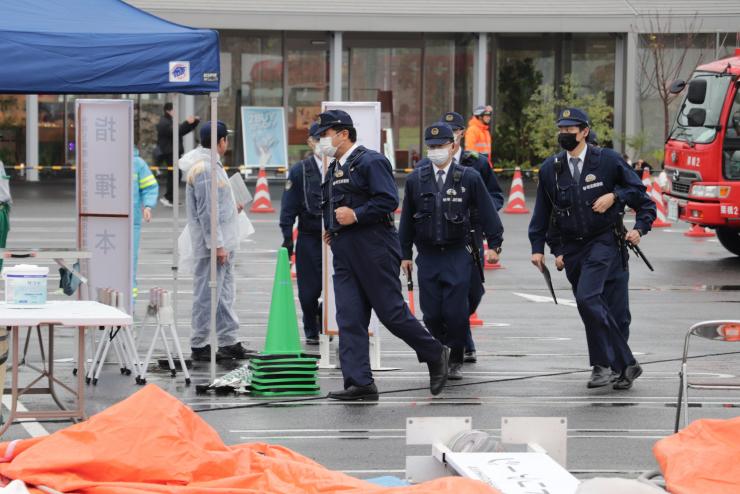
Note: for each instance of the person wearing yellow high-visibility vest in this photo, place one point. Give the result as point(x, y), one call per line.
point(145, 191)
point(478, 133)
point(5, 202)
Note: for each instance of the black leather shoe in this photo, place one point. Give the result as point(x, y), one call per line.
point(438, 371)
point(470, 357)
point(202, 354)
point(235, 351)
point(312, 341)
point(455, 373)
point(356, 393)
point(600, 376)
point(628, 376)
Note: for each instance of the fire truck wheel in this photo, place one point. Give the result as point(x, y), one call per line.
point(730, 239)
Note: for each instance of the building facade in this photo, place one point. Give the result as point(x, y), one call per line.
point(421, 59)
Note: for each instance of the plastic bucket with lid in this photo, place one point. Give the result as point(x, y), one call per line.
point(25, 285)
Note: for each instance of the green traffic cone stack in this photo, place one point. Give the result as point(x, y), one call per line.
point(282, 369)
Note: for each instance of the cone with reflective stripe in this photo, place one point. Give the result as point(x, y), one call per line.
point(646, 178)
point(697, 231)
point(516, 204)
point(262, 202)
point(657, 196)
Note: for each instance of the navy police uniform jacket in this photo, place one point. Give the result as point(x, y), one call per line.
point(480, 164)
point(563, 209)
point(365, 183)
point(302, 199)
point(432, 219)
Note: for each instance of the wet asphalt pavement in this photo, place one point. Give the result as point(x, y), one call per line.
point(523, 336)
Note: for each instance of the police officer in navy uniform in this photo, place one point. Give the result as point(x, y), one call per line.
point(439, 199)
point(480, 164)
point(302, 199)
point(580, 201)
point(360, 196)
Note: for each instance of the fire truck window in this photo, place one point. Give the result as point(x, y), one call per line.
point(731, 151)
point(733, 124)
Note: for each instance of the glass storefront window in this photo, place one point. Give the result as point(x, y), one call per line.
point(307, 86)
point(389, 71)
point(439, 79)
point(464, 56)
point(592, 65)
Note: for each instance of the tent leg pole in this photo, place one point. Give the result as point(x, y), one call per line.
point(175, 197)
point(214, 227)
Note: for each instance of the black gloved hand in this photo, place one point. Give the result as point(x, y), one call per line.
point(288, 244)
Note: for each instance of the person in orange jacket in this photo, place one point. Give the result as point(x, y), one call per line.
point(478, 133)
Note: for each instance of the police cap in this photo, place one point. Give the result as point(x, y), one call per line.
point(331, 119)
point(205, 132)
point(454, 120)
point(438, 133)
point(313, 130)
point(572, 116)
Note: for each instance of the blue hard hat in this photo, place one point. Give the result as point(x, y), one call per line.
point(333, 118)
point(454, 120)
point(438, 133)
point(572, 116)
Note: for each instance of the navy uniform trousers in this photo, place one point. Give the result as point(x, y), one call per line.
point(594, 269)
point(367, 263)
point(476, 292)
point(308, 271)
point(444, 286)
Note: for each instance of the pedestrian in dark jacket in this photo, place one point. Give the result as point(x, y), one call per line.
point(163, 154)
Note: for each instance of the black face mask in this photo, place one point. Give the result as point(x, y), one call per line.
point(567, 141)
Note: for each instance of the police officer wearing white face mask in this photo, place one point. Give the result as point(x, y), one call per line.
point(438, 200)
point(360, 195)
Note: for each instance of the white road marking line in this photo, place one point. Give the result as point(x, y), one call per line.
point(541, 299)
point(33, 428)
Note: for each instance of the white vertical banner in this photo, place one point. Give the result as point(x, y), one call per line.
point(366, 119)
point(105, 130)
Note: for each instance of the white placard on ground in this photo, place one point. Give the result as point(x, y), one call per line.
point(515, 473)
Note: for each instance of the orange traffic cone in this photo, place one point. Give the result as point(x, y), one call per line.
point(646, 178)
point(262, 202)
point(657, 196)
point(516, 204)
point(475, 321)
point(490, 265)
point(697, 231)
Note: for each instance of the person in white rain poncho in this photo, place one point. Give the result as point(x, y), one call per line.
point(198, 204)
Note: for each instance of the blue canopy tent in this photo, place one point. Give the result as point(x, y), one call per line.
point(101, 47)
point(110, 47)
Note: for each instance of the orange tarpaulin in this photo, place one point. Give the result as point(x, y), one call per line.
point(702, 458)
point(152, 443)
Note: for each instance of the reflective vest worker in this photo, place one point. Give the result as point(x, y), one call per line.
point(478, 133)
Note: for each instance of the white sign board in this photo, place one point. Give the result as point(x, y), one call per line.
point(109, 241)
point(104, 192)
point(366, 119)
point(515, 473)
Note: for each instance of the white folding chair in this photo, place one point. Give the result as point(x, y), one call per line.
point(727, 331)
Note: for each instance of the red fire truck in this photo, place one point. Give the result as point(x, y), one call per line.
point(702, 153)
